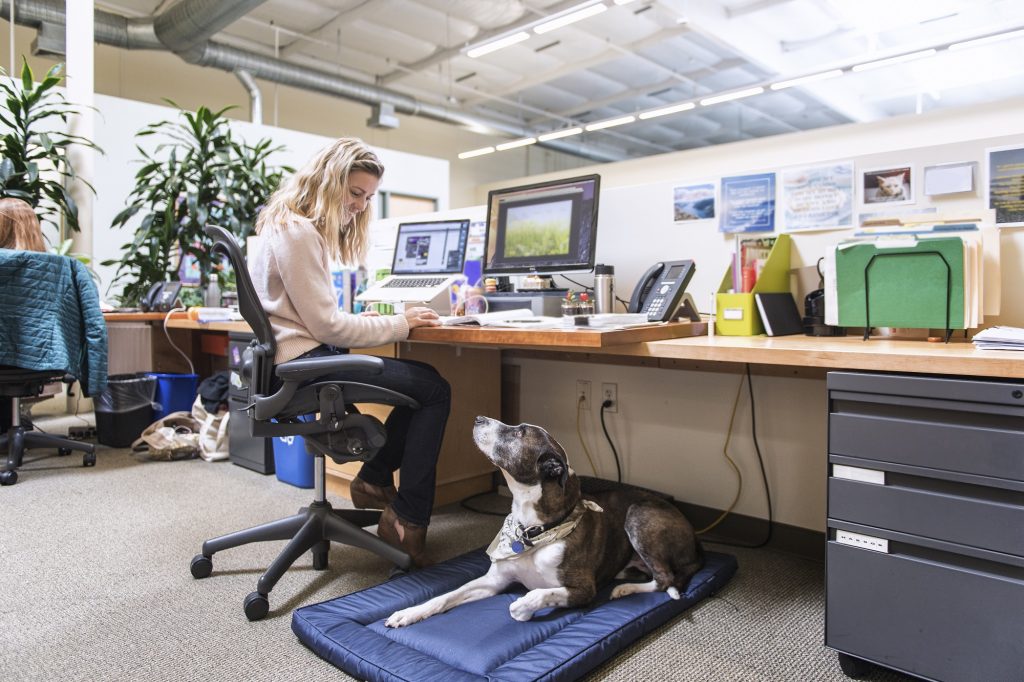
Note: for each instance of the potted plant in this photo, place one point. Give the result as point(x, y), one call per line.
point(195, 175)
point(35, 165)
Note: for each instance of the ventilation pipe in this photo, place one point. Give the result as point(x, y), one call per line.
point(255, 97)
point(212, 15)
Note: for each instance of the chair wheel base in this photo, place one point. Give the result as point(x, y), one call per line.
point(89, 459)
point(8, 477)
point(201, 566)
point(257, 606)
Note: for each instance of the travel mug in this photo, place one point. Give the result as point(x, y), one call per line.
point(604, 288)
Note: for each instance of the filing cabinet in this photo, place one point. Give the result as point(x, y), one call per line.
point(925, 557)
point(245, 450)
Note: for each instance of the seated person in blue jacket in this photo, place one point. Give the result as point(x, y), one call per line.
point(19, 229)
point(322, 213)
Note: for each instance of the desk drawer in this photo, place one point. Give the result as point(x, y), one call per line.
point(969, 515)
point(927, 617)
point(990, 446)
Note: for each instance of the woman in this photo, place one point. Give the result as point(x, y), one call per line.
point(19, 226)
point(322, 213)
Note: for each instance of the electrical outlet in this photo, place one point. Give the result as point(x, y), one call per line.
point(610, 392)
point(583, 394)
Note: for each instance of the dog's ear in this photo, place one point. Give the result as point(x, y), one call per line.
point(553, 465)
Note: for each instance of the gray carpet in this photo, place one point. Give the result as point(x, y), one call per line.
point(95, 585)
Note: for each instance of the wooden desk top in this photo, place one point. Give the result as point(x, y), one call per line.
point(577, 338)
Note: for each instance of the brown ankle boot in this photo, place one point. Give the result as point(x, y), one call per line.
point(406, 536)
point(368, 496)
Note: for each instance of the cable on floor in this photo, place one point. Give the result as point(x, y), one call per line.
point(725, 453)
point(579, 433)
point(615, 453)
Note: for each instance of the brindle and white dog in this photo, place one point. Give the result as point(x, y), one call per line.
point(561, 546)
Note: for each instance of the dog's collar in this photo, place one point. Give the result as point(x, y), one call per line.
point(514, 538)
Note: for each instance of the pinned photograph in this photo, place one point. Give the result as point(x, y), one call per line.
point(693, 202)
point(892, 185)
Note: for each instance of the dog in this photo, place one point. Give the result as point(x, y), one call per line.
point(561, 546)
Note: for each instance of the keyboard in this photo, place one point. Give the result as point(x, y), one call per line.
point(412, 282)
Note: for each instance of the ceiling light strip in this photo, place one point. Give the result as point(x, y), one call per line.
point(998, 37)
point(558, 134)
point(804, 80)
point(516, 143)
point(899, 59)
point(610, 123)
point(570, 18)
point(729, 96)
point(665, 111)
point(476, 152)
point(498, 44)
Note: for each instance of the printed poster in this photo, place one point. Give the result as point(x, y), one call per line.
point(1005, 187)
point(693, 202)
point(818, 197)
point(748, 203)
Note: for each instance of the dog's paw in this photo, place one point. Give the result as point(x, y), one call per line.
point(405, 617)
point(622, 590)
point(521, 609)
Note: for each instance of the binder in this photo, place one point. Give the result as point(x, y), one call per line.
point(779, 314)
point(902, 283)
point(736, 314)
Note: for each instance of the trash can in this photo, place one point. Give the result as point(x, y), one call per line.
point(174, 392)
point(124, 408)
point(292, 463)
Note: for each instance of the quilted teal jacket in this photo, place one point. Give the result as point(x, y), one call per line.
point(50, 317)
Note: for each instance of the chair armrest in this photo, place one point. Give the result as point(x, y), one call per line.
point(356, 366)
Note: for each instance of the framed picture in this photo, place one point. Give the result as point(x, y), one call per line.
point(693, 202)
point(1004, 190)
point(890, 185)
point(748, 203)
point(949, 178)
point(818, 197)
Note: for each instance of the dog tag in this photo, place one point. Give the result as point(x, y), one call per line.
point(517, 547)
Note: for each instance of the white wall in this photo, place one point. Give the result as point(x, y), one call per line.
point(120, 119)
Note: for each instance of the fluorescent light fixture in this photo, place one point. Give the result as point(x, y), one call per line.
point(894, 60)
point(516, 143)
point(498, 44)
point(729, 96)
point(804, 80)
point(665, 111)
point(476, 152)
point(601, 125)
point(967, 44)
point(559, 134)
point(623, 2)
point(570, 18)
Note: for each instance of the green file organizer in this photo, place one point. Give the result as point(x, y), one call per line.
point(920, 285)
point(736, 314)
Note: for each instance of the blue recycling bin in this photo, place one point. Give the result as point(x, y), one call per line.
point(292, 464)
point(174, 392)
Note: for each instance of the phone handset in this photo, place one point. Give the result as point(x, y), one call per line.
point(643, 287)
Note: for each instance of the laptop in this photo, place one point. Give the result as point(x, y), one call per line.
point(429, 257)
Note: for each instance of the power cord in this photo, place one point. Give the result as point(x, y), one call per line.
point(618, 466)
point(579, 433)
point(191, 367)
point(725, 453)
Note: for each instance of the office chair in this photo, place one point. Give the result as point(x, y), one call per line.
point(339, 432)
point(17, 383)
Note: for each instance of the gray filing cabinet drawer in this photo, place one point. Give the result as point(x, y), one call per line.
point(925, 617)
point(938, 484)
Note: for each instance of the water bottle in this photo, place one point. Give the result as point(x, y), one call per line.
point(212, 298)
point(604, 288)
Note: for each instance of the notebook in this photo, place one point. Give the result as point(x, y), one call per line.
point(779, 314)
point(428, 259)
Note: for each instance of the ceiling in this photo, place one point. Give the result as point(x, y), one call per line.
point(634, 58)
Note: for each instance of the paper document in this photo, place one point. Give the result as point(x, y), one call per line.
point(498, 317)
point(1000, 338)
point(612, 320)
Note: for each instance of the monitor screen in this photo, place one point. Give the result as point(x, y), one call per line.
point(549, 227)
point(430, 248)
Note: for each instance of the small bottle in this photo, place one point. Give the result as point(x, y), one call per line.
point(604, 288)
point(212, 297)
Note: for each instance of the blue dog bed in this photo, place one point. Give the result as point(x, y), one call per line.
point(480, 640)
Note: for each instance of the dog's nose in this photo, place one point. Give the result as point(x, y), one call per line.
point(480, 420)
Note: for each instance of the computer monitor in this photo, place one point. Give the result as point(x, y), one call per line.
point(436, 247)
point(546, 228)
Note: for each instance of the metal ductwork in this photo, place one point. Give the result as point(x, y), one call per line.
point(186, 27)
point(255, 96)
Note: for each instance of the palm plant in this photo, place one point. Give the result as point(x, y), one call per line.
point(35, 165)
point(198, 174)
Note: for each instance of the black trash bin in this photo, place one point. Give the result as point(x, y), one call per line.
point(124, 408)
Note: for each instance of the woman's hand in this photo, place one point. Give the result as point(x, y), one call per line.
point(421, 317)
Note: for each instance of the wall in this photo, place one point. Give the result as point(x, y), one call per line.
point(153, 77)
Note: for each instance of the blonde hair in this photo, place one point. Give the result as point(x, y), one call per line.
point(319, 190)
point(19, 226)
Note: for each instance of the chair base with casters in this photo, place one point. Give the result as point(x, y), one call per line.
point(16, 384)
point(279, 395)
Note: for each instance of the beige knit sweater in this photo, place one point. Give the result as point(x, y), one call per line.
point(292, 275)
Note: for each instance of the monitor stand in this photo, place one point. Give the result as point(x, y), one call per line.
point(539, 284)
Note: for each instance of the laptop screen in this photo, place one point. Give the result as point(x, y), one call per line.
point(437, 247)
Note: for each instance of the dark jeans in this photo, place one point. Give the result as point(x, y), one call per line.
point(414, 436)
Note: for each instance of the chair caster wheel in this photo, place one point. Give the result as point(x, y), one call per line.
point(853, 667)
point(320, 562)
point(8, 477)
point(202, 566)
point(257, 606)
point(397, 572)
point(63, 452)
point(88, 459)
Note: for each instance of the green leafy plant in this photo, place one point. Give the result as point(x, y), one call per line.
point(196, 175)
point(35, 165)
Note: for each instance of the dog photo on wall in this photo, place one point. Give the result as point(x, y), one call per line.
point(892, 185)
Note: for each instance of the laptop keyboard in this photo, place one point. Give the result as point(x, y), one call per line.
point(407, 283)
